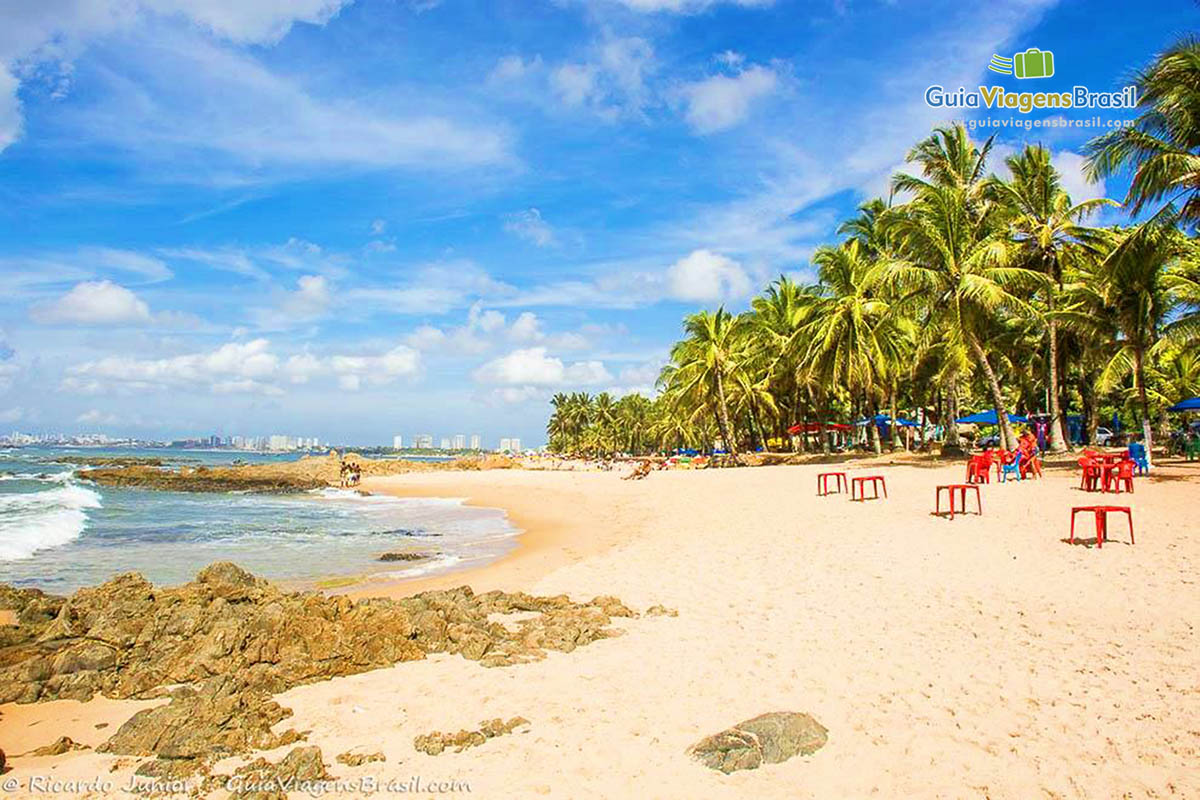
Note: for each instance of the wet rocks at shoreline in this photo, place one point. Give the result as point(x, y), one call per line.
point(201, 479)
point(219, 648)
point(389, 557)
point(277, 477)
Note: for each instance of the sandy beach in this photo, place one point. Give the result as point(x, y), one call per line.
point(979, 657)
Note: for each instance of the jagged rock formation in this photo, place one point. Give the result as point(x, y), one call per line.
point(229, 641)
point(436, 742)
point(301, 770)
point(765, 739)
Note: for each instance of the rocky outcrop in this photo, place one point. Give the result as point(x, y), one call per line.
point(388, 557)
point(765, 739)
point(302, 770)
point(228, 641)
point(202, 479)
point(280, 477)
point(352, 759)
point(436, 742)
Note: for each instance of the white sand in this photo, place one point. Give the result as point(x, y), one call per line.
point(979, 657)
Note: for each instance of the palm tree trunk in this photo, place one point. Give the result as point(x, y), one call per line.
point(893, 427)
point(1006, 434)
point(949, 425)
point(723, 418)
point(1091, 408)
point(1140, 378)
point(872, 428)
point(1058, 441)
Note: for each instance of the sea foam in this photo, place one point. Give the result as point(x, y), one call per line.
point(33, 521)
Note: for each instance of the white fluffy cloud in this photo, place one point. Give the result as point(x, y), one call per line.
point(707, 276)
point(530, 226)
point(720, 102)
point(96, 417)
point(611, 80)
point(533, 367)
point(94, 303)
point(401, 361)
point(240, 368)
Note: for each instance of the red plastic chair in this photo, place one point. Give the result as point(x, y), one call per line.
point(1121, 476)
point(979, 468)
point(1092, 474)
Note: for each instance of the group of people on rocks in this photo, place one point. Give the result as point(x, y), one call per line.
point(351, 474)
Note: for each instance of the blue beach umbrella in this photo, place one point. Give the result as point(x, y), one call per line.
point(989, 418)
point(1191, 404)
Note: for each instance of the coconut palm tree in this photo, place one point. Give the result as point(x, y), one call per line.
point(706, 363)
point(776, 322)
point(1133, 281)
point(857, 340)
point(1044, 230)
point(1163, 145)
point(951, 263)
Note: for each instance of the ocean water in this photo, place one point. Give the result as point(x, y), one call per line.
point(58, 532)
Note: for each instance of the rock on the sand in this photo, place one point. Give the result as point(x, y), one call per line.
point(765, 739)
point(436, 742)
point(63, 744)
point(352, 759)
point(301, 770)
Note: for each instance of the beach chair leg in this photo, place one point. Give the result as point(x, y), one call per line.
point(1101, 528)
point(884, 487)
point(1073, 513)
point(1129, 516)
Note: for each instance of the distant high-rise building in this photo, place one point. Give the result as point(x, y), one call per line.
point(445, 443)
point(397, 442)
point(506, 445)
point(460, 442)
point(423, 441)
point(515, 444)
point(277, 442)
point(475, 441)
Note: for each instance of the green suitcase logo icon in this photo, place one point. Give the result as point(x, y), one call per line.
point(1033, 63)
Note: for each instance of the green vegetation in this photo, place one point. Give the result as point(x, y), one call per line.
point(973, 288)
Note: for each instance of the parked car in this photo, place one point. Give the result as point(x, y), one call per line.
point(991, 440)
point(1104, 436)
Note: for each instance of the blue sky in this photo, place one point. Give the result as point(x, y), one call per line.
point(355, 219)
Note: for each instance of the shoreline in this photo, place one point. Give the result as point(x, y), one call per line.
point(546, 538)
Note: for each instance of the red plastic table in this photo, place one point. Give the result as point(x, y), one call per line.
point(962, 489)
point(823, 483)
point(860, 483)
point(1102, 513)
